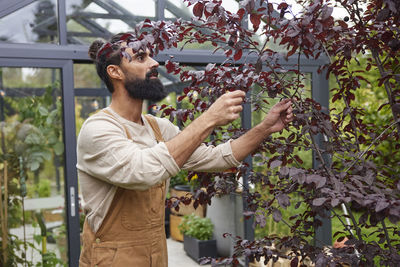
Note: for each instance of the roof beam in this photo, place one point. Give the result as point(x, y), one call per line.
point(198, 57)
point(10, 6)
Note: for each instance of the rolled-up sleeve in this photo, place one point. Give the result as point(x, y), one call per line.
point(212, 158)
point(105, 152)
point(206, 158)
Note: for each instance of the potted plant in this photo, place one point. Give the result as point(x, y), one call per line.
point(181, 187)
point(197, 237)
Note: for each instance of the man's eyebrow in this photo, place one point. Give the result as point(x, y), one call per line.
point(140, 53)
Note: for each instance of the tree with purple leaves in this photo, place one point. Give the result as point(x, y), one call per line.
point(358, 168)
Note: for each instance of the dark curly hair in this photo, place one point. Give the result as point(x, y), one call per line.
point(104, 57)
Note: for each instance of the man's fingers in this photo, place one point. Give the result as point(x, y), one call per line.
point(238, 109)
point(238, 93)
point(236, 101)
point(235, 109)
point(284, 104)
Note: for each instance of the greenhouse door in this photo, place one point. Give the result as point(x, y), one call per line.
point(37, 163)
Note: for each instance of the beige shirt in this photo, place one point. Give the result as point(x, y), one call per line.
point(107, 159)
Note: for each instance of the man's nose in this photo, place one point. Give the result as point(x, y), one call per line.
point(153, 64)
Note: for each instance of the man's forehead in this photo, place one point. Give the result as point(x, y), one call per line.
point(132, 52)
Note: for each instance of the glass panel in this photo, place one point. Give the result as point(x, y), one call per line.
point(90, 20)
point(32, 167)
point(177, 9)
point(86, 106)
point(85, 76)
point(34, 23)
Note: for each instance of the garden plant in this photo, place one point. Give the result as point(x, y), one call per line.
point(30, 138)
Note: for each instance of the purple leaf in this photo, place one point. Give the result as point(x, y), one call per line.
point(301, 178)
point(238, 55)
point(335, 202)
point(275, 163)
point(381, 205)
point(294, 262)
point(284, 171)
point(210, 7)
point(277, 215)
point(248, 213)
point(326, 12)
point(319, 201)
point(135, 45)
point(209, 67)
point(318, 180)
point(198, 9)
point(294, 171)
point(283, 200)
point(149, 38)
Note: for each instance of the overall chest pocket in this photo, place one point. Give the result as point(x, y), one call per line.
point(135, 211)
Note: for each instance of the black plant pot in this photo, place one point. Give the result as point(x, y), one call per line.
point(167, 219)
point(197, 249)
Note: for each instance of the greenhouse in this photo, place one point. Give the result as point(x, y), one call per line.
point(49, 86)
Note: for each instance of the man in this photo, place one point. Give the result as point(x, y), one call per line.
point(125, 158)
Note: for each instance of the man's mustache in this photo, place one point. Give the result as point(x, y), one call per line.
point(152, 73)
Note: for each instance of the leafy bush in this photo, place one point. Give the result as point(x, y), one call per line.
point(196, 227)
point(355, 146)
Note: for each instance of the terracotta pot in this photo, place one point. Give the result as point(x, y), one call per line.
point(186, 209)
point(174, 221)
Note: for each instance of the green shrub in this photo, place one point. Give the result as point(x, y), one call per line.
point(196, 227)
point(41, 189)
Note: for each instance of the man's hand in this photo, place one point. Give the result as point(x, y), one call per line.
point(226, 109)
point(279, 116)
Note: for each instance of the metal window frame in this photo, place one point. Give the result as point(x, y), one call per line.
point(69, 136)
point(64, 55)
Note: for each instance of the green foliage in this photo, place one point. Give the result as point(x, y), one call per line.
point(32, 131)
point(39, 130)
point(371, 99)
point(180, 179)
point(196, 227)
point(41, 189)
point(49, 258)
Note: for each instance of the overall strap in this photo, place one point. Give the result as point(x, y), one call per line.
point(154, 125)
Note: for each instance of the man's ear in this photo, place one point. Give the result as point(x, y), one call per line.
point(115, 72)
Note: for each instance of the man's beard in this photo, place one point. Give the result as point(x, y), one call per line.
point(149, 89)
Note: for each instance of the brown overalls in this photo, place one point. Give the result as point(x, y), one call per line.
point(132, 233)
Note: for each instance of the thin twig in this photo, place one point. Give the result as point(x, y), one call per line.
point(345, 224)
point(386, 234)
point(386, 85)
point(373, 142)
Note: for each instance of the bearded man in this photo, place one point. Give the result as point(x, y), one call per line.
point(126, 158)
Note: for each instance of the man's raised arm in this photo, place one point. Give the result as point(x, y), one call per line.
point(226, 109)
